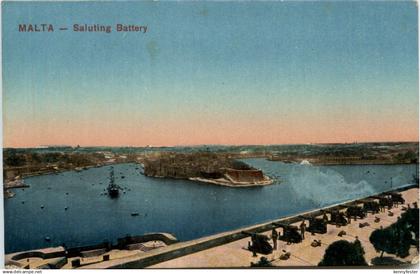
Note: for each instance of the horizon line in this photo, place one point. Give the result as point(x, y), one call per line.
point(200, 145)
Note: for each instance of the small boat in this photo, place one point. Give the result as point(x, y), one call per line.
point(47, 239)
point(113, 192)
point(135, 214)
point(66, 208)
point(42, 206)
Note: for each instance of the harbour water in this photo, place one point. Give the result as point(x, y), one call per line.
point(187, 209)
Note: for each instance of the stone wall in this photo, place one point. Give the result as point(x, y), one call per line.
point(245, 175)
point(185, 248)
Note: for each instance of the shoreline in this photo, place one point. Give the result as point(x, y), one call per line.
point(233, 245)
point(361, 164)
point(224, 182)
point(58, 170)
point(286, 161)
point(10, 184)
point(317, 162)
point(219, 239)
point(221, 182)
point(168, 256)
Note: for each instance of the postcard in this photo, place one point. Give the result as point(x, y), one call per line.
point(210, 134)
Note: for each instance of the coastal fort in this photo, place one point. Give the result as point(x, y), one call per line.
point(350, 220)
point(205, 167)
point(219, 166)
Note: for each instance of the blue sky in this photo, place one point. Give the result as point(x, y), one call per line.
point(254, 72)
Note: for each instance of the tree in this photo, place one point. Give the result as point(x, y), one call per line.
point(397, 238)
point(14, 159)
point(410, 219)
point(344, 253)
point(360, 252)
point(383, 241)
point(263, 262)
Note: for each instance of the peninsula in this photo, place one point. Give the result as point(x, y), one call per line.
point(213, 168)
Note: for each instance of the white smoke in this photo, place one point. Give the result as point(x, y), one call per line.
point(305, 162)
point(325, 186)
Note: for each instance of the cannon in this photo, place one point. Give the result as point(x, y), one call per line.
point(371, 206)
point(316, 225)
point(337, 218)
point(259, 243)
point(397, 198)
point(355, 211)
point(290, 233)
point(385, 201)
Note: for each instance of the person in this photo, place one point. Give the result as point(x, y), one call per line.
point(254, 253)
point(253, 240)
point(274, 236)
point(325, 217)
point(302, 229)
point(341, 218)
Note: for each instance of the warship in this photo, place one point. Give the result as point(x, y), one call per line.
point(113, 188)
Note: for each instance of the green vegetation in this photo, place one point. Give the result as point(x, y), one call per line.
point(11, 158)
point(207, 165)
point(263, 262)
point(398, 237)
point(16, 159)
point(22, 162)
point(408, 156)
point(410, 220)
point(344, 253)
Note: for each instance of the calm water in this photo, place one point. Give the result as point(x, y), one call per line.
point(188, 210)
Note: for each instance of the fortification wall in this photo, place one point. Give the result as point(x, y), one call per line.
point(245, 175)
point(185, 248)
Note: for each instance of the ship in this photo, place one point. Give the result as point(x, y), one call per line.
point(113, 188)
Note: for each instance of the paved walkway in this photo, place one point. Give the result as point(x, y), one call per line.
point(234, 254)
